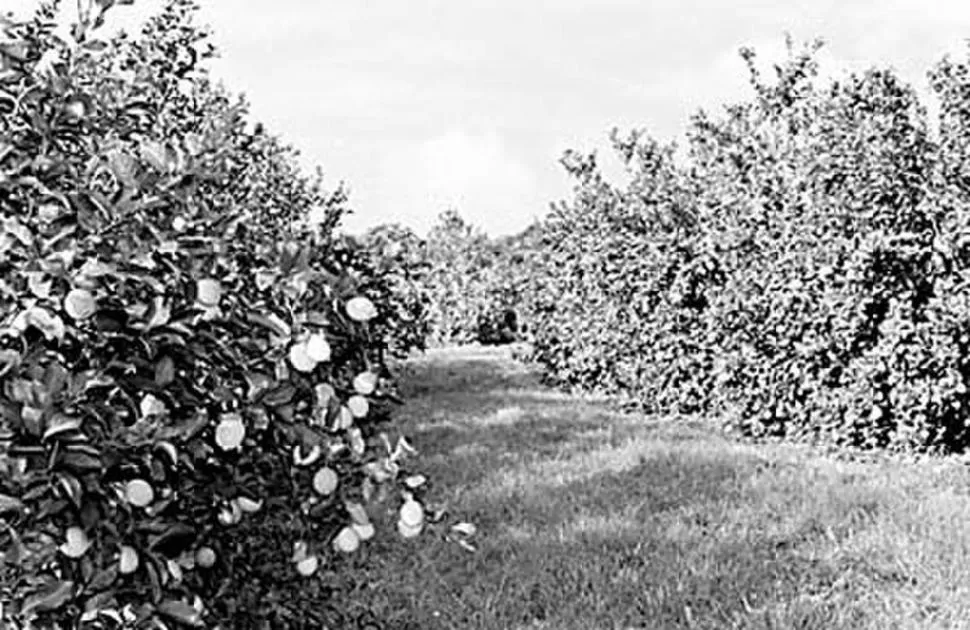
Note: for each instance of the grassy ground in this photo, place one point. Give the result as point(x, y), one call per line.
point(589, 518)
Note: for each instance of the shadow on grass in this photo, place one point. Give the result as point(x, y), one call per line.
point(588, 517)
point(465, 371)
point(629, 548)
point(592, 518)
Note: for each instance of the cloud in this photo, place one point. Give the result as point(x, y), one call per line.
point(726, 79)
point(427, 104)
point(473, 172)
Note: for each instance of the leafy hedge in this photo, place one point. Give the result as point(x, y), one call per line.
point(802, 272)
point(183, 358)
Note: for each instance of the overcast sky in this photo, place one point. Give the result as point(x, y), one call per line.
point(421, 105)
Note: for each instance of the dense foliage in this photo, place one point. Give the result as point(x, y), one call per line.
point(389, 259)
point(801, 271)
point(193, 399)
point(473, 281)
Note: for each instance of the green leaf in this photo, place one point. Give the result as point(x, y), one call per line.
point(181, 612)
point(10, 504)
point(279, 395)
point(52, 597)
point(9, 361)
point(102, 580)
point(14, 554)
point(187, 429)
point(59, 423)
point(80, 462)
point(71, 487)
point(100, 602)
point(165, 371)
point(155, 154)
point(175, 540)
point(95, 45)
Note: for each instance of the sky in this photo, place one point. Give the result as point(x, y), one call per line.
point(419, 106)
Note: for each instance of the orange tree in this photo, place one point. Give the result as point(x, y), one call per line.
point(184, 360)
point(822, 206)
point(394, 257)
point(615, 301)
point(800, 273)
point(454, 251)
point(472, 282)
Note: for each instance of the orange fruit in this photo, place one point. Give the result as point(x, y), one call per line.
point(300, 358)
point(365, 383)
point(77, 543)
point(318, 348)
point(79, 304)
point(325, 481)
point(308, 566)
point(152, 406)
point(408, 531)
point(412, 514)
point(208, 292)
point(415, 481)
point(230, 432)
point(347, 540)
point(205, 557)
point(127, 560)
point(361, 309)
point(358, 406)
point(139, 493)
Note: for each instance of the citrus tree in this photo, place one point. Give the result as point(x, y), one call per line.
point(394, 258)
point(472, 281)
point(800, 273)
point(184, 359)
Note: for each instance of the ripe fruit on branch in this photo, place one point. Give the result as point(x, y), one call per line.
point(365, 383)
point(79, 304)
point(361, 309)
point(77, 543)
point(308, 566)
point(318, 348)
point(325, 481)
point(300, 358)
point(406, 531)
point(412, 514)
point(127, 560)
point(347, 540)
point(205, 557)
point(358, 406)
point(139, 493)
point(230, 432)
point(208, 292)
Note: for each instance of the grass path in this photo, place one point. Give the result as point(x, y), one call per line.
point(589, 518)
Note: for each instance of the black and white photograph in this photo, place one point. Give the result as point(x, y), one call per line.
point(484, 315)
